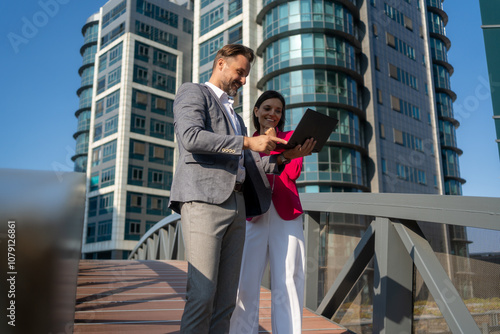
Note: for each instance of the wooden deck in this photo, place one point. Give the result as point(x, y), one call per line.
point(148, 297)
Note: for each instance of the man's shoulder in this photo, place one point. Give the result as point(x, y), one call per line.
point(192, 85)
point(190, 89)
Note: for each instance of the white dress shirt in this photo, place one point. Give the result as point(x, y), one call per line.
point(228, 105)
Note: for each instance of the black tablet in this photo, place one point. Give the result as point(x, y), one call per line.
point(313, 124)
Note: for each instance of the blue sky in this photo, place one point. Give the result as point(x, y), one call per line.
point(40, 55)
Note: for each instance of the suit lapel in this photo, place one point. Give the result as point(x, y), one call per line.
point(221, 107)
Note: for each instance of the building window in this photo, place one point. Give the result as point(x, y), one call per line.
point(159, 81)
point(421, 177)
point(157, 177)
point(375, 30)
point(187, 26)
point(401, 171)
point(382, 130)
point(140, 75)
point(93, 206)
point(379, 97)
point(136, 173)
point(97, 131)
point(104, 230)
point(398, 137)
point(209, 49)
point(377, 63)
point(235, 34)
point(111, 126)
point(212, 19)
point(234, 8)
point(156, 203)
point(390, 39)
point(112, 101)
point(161, 103)
point(106, 203)
point(101, 85)
point(138, 124)
point(114, 13)
point(141, 51)
point(115, 54)
point(96, 156)
point(114, 77)
point(109, 151)
point(395, 103)
point(165, 60)
point(408, 23)
point(135, 228)
point(139, 148)
point(99, 108)
point(393, 71)
point(103, 62)
point(136, 200)
point(108, 177)
point(159, 152)
point(94, 181)
point(141, 98)
point(91, 230)
point(384, 166)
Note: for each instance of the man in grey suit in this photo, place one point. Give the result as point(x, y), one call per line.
point(219, 181)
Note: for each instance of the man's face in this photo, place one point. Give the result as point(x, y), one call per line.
point(233, 74)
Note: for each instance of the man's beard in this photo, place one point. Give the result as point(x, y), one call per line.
point(231, 88)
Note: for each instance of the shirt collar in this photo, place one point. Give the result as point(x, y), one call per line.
point(222, 95)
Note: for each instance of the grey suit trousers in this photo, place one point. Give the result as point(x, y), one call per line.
point(214, 236)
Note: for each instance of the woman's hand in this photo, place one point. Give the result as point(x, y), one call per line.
point(300, 150)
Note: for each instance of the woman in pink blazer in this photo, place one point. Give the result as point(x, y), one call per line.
point(276, 237)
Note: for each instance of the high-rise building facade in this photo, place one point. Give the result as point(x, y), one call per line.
point(136, 53)
point(380, 67)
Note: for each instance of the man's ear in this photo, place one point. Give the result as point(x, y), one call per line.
point(220, 63)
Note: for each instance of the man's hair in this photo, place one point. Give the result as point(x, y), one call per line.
point(233, 50)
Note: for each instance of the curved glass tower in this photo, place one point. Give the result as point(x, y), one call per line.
point(310, 53)
point(442, 70)
point(88, 50)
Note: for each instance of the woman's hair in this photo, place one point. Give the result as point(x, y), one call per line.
point(269, 94)
point(233, 50)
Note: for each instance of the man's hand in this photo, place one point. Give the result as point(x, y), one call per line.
point(263, 143)
point(271, 132)
point(300, 150)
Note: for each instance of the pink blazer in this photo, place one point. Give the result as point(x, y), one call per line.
point(285, 195)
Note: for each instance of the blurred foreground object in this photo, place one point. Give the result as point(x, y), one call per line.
point(41, 221)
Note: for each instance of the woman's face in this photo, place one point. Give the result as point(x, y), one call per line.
point(269, 114)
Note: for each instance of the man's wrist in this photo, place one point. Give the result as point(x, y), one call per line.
point(283, 160)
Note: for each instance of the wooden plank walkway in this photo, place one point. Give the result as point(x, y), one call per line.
point(137, 297)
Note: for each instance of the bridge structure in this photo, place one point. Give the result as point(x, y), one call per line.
point(393, 247)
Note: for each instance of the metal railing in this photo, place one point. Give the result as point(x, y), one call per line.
point(395, 242)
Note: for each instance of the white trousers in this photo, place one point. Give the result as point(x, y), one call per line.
point(281, 243)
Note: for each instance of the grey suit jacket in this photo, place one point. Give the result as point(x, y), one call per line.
point(209, 152)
